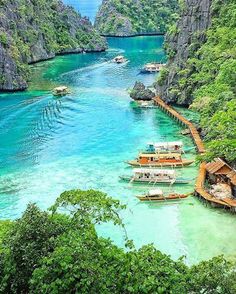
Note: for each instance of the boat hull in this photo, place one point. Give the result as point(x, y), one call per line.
point(184, 162)
point(154, 182)
point(170, 197)
point(144, 71)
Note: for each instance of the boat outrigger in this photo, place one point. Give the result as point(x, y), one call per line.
point(120, 59)
point(154, 176)
point(160, 160)
point(152, 67)
point(158, 195)
point(61, 91)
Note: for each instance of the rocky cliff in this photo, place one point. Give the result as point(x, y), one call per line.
point(125, 18)
point(31, 31)
point(201, 71)
point(182, 43)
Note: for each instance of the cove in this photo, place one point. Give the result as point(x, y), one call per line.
point(49, 145)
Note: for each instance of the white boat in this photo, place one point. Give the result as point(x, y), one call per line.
point(152, 67)
point(154, 176)
point(120, 59)
point(146, 104)
point(61, 91)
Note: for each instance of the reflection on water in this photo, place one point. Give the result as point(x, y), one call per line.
point(49, 145)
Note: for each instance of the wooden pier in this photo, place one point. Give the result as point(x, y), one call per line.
point(200, 190)
point(173, 113)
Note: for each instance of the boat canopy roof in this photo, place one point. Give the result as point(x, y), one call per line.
point(61, 88)
point(160, 155)
point(154, 171)
point(166, 144)
point(155, 192)
point(119, 57)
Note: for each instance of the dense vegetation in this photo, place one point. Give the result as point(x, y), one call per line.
point(51, 252)
point(210, 78)
point(32, 30)
point(128, 17)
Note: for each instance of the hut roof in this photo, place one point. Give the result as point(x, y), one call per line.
point(216, 165)
point(220, 167)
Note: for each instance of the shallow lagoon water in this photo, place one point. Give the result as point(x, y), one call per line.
point(49, 145)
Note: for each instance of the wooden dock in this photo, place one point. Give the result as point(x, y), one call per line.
point(173, 113)
point(200, 183)
point(200, 190)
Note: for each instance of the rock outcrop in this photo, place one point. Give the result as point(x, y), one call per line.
point(181, 44)
point(140, 92)
point(126, 18)
point(32, 31)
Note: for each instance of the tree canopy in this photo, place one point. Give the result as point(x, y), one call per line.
point(59, 251)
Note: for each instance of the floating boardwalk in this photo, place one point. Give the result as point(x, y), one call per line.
point(199, 186)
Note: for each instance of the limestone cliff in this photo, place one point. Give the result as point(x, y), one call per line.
point(131, 17)
point(32, 31)
point(181, 44)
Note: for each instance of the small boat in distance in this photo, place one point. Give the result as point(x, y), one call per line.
point(145, 104)
point(154, 176)
point(152, 67)
point(120, 59)
point(160, 160)
point(61, 91)
point(158, 195)
point(163, 147)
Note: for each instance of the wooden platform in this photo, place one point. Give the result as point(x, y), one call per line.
point(200, 183)
point(200, 190)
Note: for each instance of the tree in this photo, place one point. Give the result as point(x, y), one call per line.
point(52, 252)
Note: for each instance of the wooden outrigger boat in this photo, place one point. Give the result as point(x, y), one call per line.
point(160, 160)
point(120, 59)
point(152, 67)
point(158, 195)
point(154, 176)
point(61, 91)
point(164, 147)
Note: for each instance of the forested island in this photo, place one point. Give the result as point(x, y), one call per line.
point(32, 31)
point(125, 18)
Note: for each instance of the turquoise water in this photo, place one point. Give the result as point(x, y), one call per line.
point(87, 8)
point(49, 145)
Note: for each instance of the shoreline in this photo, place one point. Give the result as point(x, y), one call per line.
point(48, 59)
point(133, 35)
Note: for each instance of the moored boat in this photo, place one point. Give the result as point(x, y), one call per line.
point(154, 176)
point(158, 195)
point(160, 160)
point(120, 59)
point(163, 147)
point(145, 104)
point(152, 67)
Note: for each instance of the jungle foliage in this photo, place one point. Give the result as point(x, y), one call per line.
point(55, 252)
point(134, 17)
point(210, 78)
point(32, 31)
